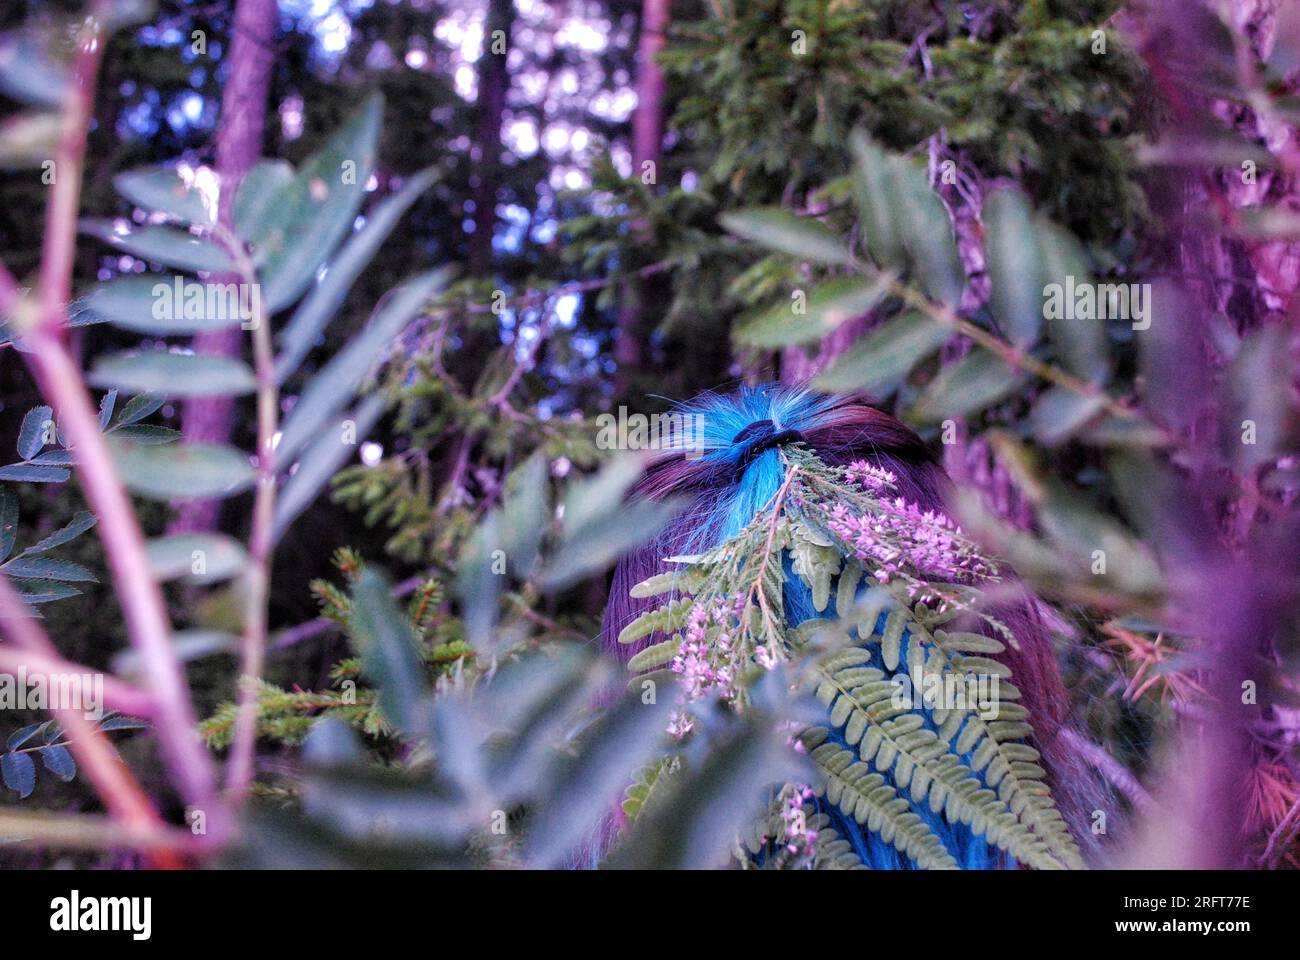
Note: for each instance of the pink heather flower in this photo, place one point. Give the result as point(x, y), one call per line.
point(764, 658)
point(899, 537)
point(680, 724)
point(792, 729)
point(702, 662)
point(869, 476)
point(800, 838)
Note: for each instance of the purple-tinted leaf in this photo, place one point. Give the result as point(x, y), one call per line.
point(78, 525)
point(139, 407)
point(8, 522)
point(54, 458)
point(19, 737)
point(48, 568)
point(106, 408)
point(33, 473)
point(19, 773)
point(59, 762)
point(32, 434)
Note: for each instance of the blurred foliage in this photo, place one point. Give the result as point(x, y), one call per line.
point(285, 717)
point(877, 193)
point(767, 93)
point(505, 754)
point(47, 459)
point(46, 741)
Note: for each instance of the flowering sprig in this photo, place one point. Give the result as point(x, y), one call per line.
point(893, 538)
point(799, 839)
point(706, 660)
point(870, 476)
point(731, 626)
point(900, 537)
point(897, 574)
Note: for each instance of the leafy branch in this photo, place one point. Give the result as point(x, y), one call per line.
point(287, 223)
point(906, 233)
point(41, 329)
point(19, 772)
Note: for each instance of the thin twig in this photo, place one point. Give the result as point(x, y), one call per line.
point(548, 623)
point(523, 364)
point(99, 833)
point(261, 543)
point(1115, 772)
point(533, 296)
point(118, 694)
point(757, 585)
point(121, 793)
point(1282, 837)
point(1014, 357)
point(290, 636)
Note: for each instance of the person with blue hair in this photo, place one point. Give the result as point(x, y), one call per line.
point(860, 505)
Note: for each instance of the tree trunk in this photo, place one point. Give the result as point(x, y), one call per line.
point(239, 144)
point(493, 82)
point(648, 120)
point(647, 157)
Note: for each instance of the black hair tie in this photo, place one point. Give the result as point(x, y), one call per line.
point(758, 438)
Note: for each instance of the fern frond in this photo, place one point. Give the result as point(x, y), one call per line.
point(831, 851)
point(647, 785)
point(656, 656)
point(1012, 807)
point(846, 589)
point(666, 619)
point(816, 560)
point(968, 643)
point(1010, 767)
point(873, 802)
point(660, 583)
point(686, 580)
